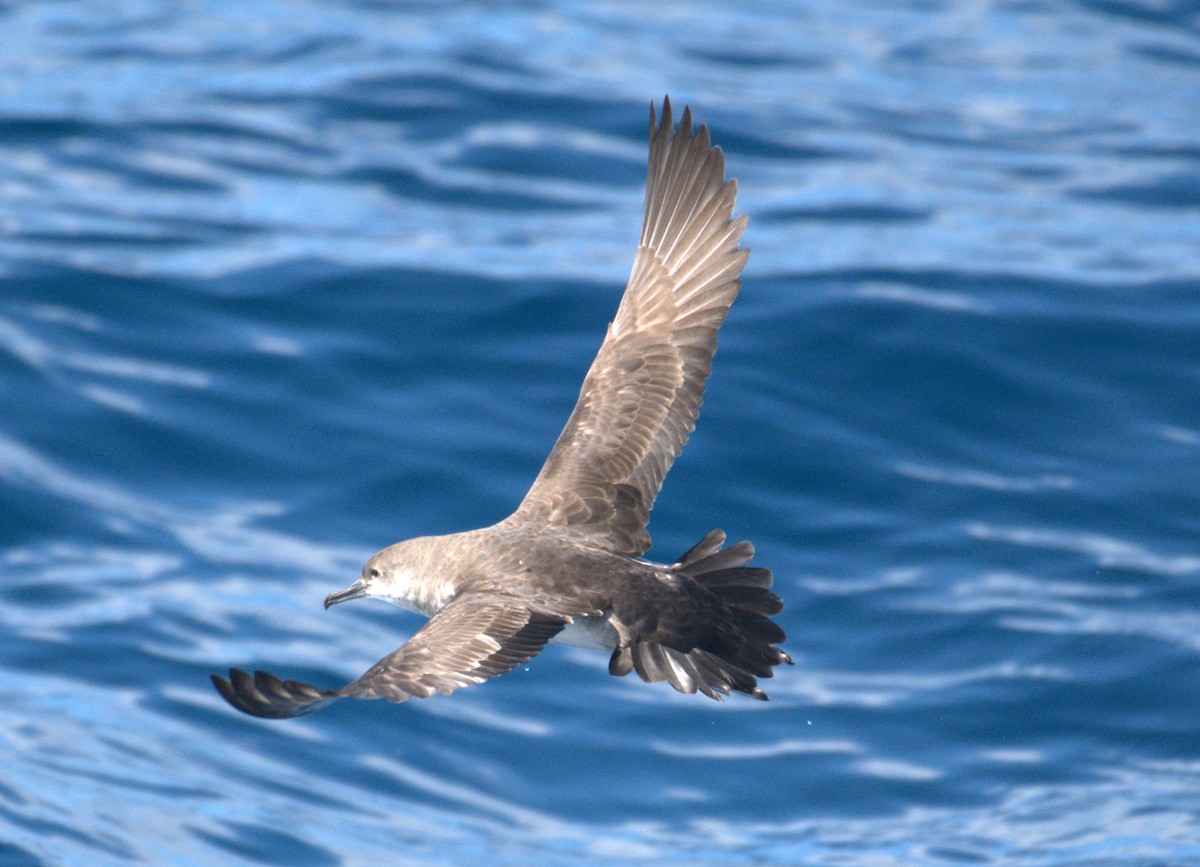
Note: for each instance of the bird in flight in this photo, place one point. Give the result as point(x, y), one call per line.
point(567, 565)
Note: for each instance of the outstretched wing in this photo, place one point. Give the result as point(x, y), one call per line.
point(471, 639)
point(640, 399)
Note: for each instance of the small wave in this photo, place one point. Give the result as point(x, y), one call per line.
point(892, 769)
point(955, 302)
point(982, 479)
point(744, 752)
point(51, 357)
point(889, 689)
point(136, 368)
point(1107, 551)
point(224, 533)
point(1182, 435)
point(890, 579)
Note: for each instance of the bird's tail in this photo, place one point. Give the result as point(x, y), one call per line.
point(744, 650)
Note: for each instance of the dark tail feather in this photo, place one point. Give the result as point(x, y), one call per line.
point(747, 648)
point(707, 556)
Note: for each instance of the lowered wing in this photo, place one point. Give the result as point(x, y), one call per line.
point(470, 640)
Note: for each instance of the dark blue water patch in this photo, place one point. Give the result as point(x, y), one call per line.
point(553, 159)
point(102, 27)
point(115, 780)
point(214, 432)
point(150, 238)
point(1167, 53)
point(18, 857)
point(27, 129)
point(472, 101)
point(37, 595)
point(403, 318)
point(164, 233)
point(1169, 151)
point(764, 58)
point(140, 301)
point(243, 147)
point(864, 407)
point(127, 48)
point(949, 128)
point(119, 150)
point(277, 279)
point(1037, 172)
point(848, 213)
point(168, 320)
point(97, 845)
point(12, 795)
point(745, 144)
point(92, 661)
point(491, 60)
point(266, 844)
point(215, 720)
point(930, 53)
point(1180, 191)
point(124, 169)
point(1064, 719)
point(27, 515)
point(228, 135)
point(409, 184)
point(435, 106)
point(1173, 14)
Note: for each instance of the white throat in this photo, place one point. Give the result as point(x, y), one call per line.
point(413, 593)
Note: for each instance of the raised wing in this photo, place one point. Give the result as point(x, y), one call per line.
point(640, 399)
point(471, 639)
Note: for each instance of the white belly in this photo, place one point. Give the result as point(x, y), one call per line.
point(594, 633)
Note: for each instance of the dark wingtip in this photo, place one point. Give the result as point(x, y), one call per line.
point(224, 687)
point(266, 696)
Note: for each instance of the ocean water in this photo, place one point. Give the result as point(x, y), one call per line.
point(284, 282)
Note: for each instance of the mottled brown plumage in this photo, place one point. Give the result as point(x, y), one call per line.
point(641, 397)
point(565, 566)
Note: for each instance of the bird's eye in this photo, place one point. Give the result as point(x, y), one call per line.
point(374, 573)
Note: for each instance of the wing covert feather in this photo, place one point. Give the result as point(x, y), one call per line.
point(470, 640)
point(473, 638)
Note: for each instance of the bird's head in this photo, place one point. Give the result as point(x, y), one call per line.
point(396, 575)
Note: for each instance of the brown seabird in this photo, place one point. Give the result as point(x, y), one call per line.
point(567, 565)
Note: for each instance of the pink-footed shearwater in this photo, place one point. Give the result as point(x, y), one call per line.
point(566, 566)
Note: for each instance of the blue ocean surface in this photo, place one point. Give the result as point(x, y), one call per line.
point(284, 282)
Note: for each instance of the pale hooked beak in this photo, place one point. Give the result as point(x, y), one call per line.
point(357, 590)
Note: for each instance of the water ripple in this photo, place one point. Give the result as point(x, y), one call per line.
point(1106, 551)
point(281, 285)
